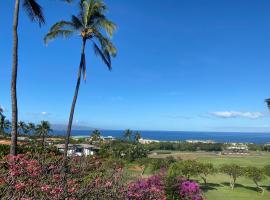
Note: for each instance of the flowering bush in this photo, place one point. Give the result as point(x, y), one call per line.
point(107, 182)
point(152, 188)
point(26, 177)
point(189, 190)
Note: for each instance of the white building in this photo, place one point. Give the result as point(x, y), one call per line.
point(147, 141)
point(78, 149)
point(236, 149)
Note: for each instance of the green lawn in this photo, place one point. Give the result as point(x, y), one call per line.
point(219, 184)
point(255, 159)
point(244, 190)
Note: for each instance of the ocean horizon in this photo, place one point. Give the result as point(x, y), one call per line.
point(258, 138)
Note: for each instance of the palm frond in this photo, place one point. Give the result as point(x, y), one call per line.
point(76, 22)
point(34, 11)
point(106, 44)
point(108, 26)
point(84, 10)
point(105, 55)
point(62, 25)
point(58, 33)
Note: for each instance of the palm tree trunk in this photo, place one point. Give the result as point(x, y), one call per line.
point(65, 161)
point(74, 102)
point(13, 146)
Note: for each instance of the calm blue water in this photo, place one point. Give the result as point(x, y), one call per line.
point(258, 138)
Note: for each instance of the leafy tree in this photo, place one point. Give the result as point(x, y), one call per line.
point(256, 175)
point(186, 168)
point(90, 23)
point(267, 170)
point(35, 14)
point(158, 164)
point(127, 134)
point(204, 170)
point(123, 150)
point(234, 171)
point(43, 129)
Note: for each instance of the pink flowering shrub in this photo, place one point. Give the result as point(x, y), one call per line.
point(25, 178)
point(29, 177)
point(189, 190)
point(151, 188)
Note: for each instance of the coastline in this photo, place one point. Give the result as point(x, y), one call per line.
point(223, 137)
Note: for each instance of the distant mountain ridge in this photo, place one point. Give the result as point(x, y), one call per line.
point(63, 127)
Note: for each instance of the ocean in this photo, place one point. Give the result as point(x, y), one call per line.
point(258, 138)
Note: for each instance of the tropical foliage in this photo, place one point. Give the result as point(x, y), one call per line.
point(90, 23)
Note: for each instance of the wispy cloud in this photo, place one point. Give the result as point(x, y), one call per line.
point(38, 114)
point(237, 114)
point(44, 113)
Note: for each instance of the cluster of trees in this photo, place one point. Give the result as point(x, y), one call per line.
point(123, 150)
point(185, 146)
point(42, 129)
point(192, 168)
point(132, 136)
point(90, 24)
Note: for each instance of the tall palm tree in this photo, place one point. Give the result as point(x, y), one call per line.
point(43, 129)
point(22, 127)
point(137, 136)
point(34, 11)
point(2, 120)
point(90, 23)
point(127, 134)
point(7, 125)
point(95, 136)
point(31, 128)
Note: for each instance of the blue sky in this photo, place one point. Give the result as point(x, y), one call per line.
point(181, 65)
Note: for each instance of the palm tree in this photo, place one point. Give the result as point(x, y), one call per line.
point(95, 136)
point(267, 101)
point(43, 129)
point(137, 136)
point(2, 120)
point(127, 134)
point(35, 13)
point(7, 125)
point(90, 24)
point(31, 128)
point(22, 127)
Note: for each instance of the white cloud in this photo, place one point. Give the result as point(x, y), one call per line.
point(238, 114)
point(44, 113)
